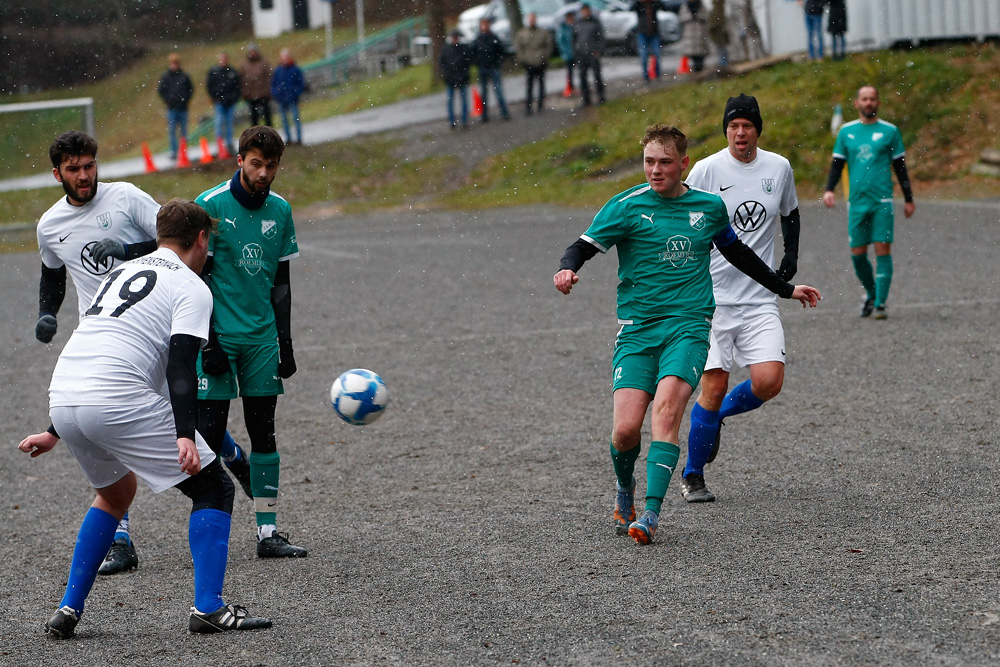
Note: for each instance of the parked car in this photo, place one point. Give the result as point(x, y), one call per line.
point(496, 12)
point(621, 23)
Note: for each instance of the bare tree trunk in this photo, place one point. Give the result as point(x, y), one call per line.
point(514, 14)
point(437, 34)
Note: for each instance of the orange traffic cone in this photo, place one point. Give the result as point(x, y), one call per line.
point(206, 155)
point(223, 153)
point(685, 67)
point(651, 70)
point(477, 103)
point(568, 91)
point(150, 167)
point(182, 154)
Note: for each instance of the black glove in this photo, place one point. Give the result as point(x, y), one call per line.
point(214, 360)
point(286, 363)
point(106, 249)
point(45, 328)
point(789, 266)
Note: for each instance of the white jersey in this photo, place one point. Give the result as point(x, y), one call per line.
point(118, 354)
point(66, 233)
point(756, 195)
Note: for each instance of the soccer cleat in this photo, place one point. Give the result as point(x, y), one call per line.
point(63, 623)
point(225, 619)
point(694, 491)
point(642, 531)
point(715, 443)
point(121, 558)
point(880, 313)
point(240, 467)
point(868, 306)
point(624, 507)
point(277, 546)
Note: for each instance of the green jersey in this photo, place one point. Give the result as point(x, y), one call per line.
point(869, 149)
point(664, 250)
point(245, 252)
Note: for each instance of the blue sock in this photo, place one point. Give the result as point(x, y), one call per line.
point(704, 426)
point(229, 451)
point(739, 400)
point(121, 532)
point(208, 535)
point(97, 532)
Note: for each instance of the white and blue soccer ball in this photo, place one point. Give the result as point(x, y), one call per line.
point(359, 396)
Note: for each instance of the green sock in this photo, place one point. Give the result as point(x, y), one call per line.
point(883, 278)
point(863, 270)
point(660, 464)
point(264, 469)
point(624, 463)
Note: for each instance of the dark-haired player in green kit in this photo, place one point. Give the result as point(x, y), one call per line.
point(250, 344)
point(664, 231)
point(870, 147)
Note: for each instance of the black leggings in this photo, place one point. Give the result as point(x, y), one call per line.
point(258, 413)
point(210, 489)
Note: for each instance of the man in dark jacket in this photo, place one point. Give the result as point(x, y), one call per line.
point(176, 90)
point(647, 34)
point(588, 45)
point(455, 60)
point(488, 54)
point(224, 89)
point(287, 85)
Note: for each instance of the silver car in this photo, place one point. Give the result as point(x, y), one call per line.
point(546, 13)
point(620, 23)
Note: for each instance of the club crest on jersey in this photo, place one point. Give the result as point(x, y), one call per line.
point(268, 228)
point(104, 221)
point(767, 185)
point(678, 251)
point(253, 258)
point(697, 219)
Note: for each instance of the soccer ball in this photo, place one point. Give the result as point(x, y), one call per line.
point(359, 396)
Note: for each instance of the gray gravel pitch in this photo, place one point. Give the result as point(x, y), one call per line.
point(856, 520)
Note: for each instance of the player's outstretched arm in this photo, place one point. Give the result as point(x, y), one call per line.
point(564, 280)
point(38, 443)
point(571, 261)
point(806, 295)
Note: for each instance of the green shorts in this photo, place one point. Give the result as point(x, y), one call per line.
point(647, 353)
point(252, 366)
point(870, 222)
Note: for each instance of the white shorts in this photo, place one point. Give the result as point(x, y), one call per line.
point(110, 440)
point(747, 335)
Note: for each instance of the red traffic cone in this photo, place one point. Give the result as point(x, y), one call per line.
point(223, 152)
point(477, 103)
point(206, 155)
point(685, 67)
point(148, 157)
point(651, 70)
point(568, 91)
point(182, 154)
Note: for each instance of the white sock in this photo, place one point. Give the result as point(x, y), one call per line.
point(265, 531)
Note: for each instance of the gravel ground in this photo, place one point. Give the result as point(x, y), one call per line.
point(856, 519)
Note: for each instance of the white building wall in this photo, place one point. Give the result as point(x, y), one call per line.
point(278, 20)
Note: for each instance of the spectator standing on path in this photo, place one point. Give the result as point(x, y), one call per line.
point(814, 26)
point(564, 40)
point(870, 147)
point(647, 35)
point(533, 46)
point(718, 31)
point(694, 42)
point(224, 89)
point(664, 232)
point(176, 90)
point(455, 61)
point(255, 81)
point(759, 190)
point(588, 45)
point(488, 55)
point(287, 86)
point(836, 25)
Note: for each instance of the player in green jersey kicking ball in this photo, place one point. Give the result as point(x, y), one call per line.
point(250, 345)
point(870, 146)
point(664, 232)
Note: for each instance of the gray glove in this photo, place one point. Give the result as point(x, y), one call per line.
point(45, 328)
point(106, 249)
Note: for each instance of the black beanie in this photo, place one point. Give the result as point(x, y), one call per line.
point(743, 106)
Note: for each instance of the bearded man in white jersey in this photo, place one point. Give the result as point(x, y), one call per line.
point(758, 188)
point(123, 398)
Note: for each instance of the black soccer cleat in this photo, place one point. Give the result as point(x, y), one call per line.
point(240, 468)
point(694, 491)
point(867, 307)
point(880, 313)
point(225, 619)
point(715, 443)
point(278, 546)
point(121, 558)
point(62, 625)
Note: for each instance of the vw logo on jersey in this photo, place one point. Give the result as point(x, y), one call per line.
point(678, 251)
point(767, 185)
point(749, 215)
point(268, 228)
point(104, 221)
point(253, 258)
point(92, 266)
point(697, 219)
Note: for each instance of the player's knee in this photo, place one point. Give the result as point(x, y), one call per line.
point(211, 489)
point(767, 388)
point(626, 436)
